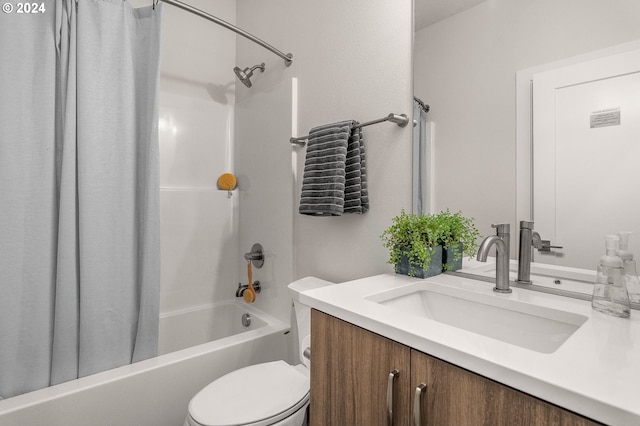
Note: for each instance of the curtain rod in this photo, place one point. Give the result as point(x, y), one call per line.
point(287, 57)
point(425, 107)
point(400, 119)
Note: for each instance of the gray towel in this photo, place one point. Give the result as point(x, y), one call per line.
point(333, 182)
point(356, 196)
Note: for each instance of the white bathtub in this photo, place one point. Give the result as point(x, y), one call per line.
point(196, 346)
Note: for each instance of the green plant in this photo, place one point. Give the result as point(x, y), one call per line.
point(413, 236)
point(456, 228)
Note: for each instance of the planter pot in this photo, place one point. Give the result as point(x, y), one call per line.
point(435, 266)
point(452, 257)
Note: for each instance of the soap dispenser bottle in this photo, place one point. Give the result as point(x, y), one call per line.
point(629, 264)
point(609, 291)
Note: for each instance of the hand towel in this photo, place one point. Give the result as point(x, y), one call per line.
point(334, 179)
point(356, 196)
point(324, 170)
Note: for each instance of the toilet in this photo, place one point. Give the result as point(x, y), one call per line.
point(272, 393)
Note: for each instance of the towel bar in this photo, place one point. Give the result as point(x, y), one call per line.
point(399, 119)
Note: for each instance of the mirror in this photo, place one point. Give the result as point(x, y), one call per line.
point(465, 68)
point(578, 124)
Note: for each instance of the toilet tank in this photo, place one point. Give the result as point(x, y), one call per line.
point(303, 312)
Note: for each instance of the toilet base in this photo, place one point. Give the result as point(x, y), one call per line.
point(299, 418)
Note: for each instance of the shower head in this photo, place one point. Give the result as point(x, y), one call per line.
point(245, 74)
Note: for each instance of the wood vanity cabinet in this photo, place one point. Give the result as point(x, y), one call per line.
point(344, 390)
point(351, 377)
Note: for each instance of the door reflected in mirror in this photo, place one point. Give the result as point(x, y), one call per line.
point(579, 127)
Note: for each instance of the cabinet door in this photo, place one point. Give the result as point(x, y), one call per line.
point(350, 374)
point(454, 396)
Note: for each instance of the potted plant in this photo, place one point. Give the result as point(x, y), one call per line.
point(459, 236)
point(414, 243)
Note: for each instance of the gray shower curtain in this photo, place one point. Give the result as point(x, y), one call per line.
point(79, 214)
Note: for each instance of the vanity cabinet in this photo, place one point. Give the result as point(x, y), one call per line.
point(344, 389)
point(357, 374)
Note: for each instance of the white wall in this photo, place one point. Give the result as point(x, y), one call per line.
point(265, 189)
point(465, 69)
point(198, 222)
point(353, 61)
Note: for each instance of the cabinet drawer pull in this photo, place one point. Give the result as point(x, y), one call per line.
point(392, 376)
point(417, 399)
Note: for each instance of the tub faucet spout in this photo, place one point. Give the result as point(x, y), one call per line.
point(500, 240)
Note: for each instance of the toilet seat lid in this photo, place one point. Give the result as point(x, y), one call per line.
point(250, 395)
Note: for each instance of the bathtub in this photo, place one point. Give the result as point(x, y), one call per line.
point(196, 346)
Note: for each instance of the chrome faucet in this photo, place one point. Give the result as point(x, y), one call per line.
point(529, 238)
point(501, 241)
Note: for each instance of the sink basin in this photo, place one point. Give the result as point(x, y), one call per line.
point(530, 326)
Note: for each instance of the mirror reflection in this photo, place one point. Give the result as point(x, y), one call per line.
point(465, 68)
point(582, 120)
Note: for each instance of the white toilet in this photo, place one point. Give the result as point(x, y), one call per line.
point(272, 393)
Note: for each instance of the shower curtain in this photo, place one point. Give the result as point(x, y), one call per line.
point(79, 190)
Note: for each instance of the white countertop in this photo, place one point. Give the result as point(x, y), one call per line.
point(596, 372)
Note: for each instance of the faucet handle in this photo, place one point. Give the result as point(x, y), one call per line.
point(545, 246)
point(501, 228)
